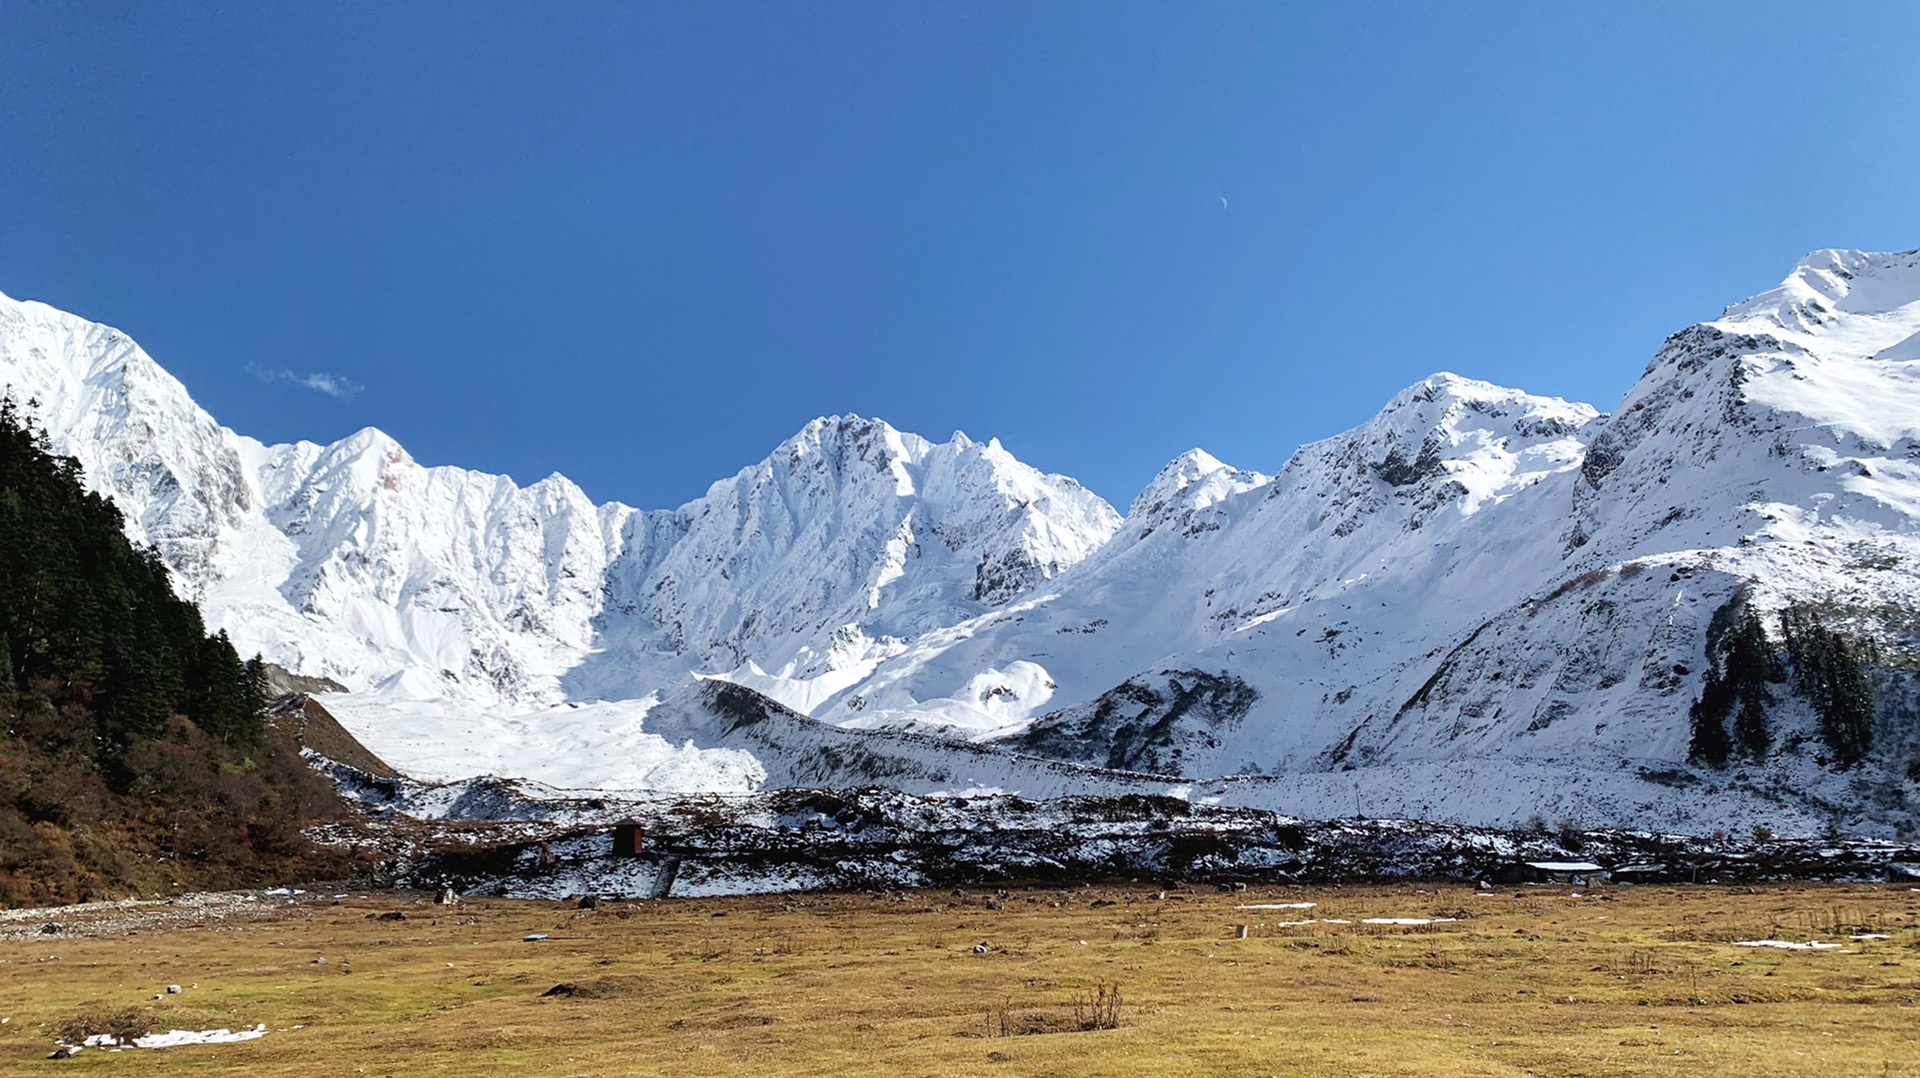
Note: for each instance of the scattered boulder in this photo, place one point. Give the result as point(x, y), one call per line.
point(391, 915)
point(590, 902)
point(173, 990)
point(52, 928)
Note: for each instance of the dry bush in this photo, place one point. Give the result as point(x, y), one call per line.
point(1837, 920)
point(1098, 1007)
point(123, 1024)
point(1095, 1008)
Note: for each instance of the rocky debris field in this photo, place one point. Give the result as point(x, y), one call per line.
point(129, 916)
point(503, 838)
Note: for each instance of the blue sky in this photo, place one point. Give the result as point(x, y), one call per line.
point(641, 244)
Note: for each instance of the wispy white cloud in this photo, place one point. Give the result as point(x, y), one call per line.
point(332, 385)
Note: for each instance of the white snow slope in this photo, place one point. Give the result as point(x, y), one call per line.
point(1479, 605)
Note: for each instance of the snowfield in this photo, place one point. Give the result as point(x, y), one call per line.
point(1481, 605)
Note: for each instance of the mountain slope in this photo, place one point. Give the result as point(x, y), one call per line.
point(852, 538)
point(1405, 509)
point(1478, 575)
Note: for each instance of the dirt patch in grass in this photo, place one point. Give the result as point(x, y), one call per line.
point(598, 988)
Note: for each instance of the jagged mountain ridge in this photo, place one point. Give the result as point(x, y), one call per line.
point(1480, 575)
point(1210, 555)
point(1482, 602)
point(352, 561)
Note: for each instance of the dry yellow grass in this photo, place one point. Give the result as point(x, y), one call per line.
point(1632, 981)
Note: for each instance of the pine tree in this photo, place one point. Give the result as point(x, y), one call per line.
point(1750, 666)
point(1830, 673)
point(256, 686)
point(87, 611)
point(221, 698)
point(1710, 744)
point(1741, 665)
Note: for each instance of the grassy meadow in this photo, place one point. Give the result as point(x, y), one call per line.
point(1526, 981)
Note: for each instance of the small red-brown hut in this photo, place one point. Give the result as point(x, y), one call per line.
point(628, 838)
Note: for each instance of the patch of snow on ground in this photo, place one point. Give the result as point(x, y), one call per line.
point(174, 1038)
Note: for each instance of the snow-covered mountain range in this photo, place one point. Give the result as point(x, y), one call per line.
point(352, 561)
point(1481, 604)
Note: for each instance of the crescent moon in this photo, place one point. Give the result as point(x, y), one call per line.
point(1223, 202)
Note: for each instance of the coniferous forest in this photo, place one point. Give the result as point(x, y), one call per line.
point(1824, 667)
point(134, 756)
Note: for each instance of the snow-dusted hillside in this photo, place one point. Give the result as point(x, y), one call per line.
point(1479, 605)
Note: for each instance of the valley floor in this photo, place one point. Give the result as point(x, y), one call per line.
point(1529, 980)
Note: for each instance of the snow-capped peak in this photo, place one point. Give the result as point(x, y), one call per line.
point(849, 539)
point(1453, 409)
point(1443, 441)
point(174, 472)
point(1193, 480)
point(1855, 302)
